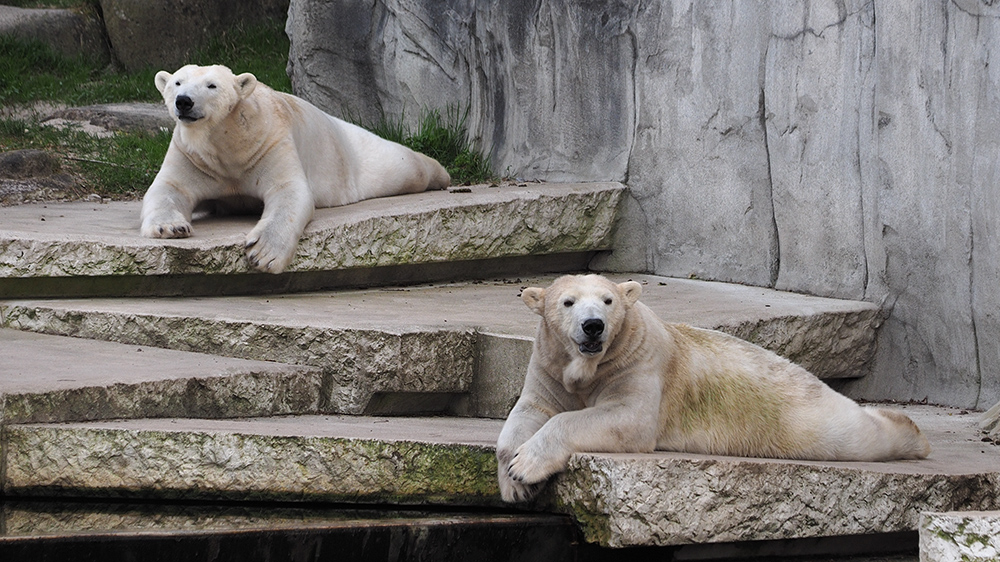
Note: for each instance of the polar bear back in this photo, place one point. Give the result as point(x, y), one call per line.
point(324, 143)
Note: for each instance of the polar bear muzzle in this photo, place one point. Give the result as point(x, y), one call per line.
point(593, 328)
point(185, 109)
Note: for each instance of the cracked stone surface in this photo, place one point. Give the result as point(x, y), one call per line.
point(619, 500)
point(837, 148)
point(482, 222)
point(972, 536)
point(454, 338)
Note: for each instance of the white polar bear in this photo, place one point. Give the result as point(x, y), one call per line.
point(607, 375)
point(237, 139)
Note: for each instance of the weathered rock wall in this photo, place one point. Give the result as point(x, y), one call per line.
point(842, 148)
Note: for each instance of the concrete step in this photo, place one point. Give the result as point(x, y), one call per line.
point(52, 378)
point(53, 530)
point(93, 249)
point(459, 348)
point(43, 532)
point(618, 500)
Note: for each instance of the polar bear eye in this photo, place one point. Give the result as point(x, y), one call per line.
point(568, 303)
point(608, 301)
point(177, 83)
point(211, 86)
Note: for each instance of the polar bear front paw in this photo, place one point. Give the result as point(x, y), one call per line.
point(512, 491)
point(176, 227)
point(530, 466)
point(269, 250)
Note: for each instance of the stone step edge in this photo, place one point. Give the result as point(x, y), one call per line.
point(389, 235)
point(473, 369)
point(658, 499)
point(231, 460)
point(244, 284)
point(122, 532)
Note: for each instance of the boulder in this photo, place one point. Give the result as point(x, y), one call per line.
point(32, 174)
point(163, 34)
point(110, 117)
point(68, 32)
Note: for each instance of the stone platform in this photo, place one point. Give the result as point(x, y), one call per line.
point(51, 378)
point(618, 500)
point(88, 249)
point(282, 398)
point(449, 348)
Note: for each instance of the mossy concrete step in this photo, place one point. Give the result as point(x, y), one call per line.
point(53, 378)
point(88, 249)
point(459, 348)
point(618, 500)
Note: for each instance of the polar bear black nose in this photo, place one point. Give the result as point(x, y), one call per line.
point(593, 327)
point(184, 103)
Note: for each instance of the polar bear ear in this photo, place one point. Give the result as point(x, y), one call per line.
point(631, 291)
point(161, 79)
point(535, 299)
point(245, 84)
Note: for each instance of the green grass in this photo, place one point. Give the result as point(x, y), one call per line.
point(442, 137)
point(123, 166)
point(260, 49)
point(31, 71)
point(118, 167)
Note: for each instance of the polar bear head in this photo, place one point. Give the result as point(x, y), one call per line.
point(583, 311)
point(203, 94)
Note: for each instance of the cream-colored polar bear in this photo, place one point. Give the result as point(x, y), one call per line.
point(607, 375)
point(237, 140)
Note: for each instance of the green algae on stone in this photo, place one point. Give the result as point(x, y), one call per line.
point(100, 462)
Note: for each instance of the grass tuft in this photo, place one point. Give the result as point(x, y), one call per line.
point(442, 137)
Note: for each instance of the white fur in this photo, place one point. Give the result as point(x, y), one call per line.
point(653, 385)
point(243, 140)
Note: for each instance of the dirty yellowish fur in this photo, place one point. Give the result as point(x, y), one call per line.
point(607, 375)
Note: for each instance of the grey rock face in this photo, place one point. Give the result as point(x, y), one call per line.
point(508, 63)
point(842, 149)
